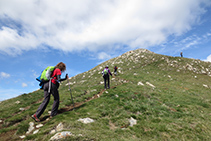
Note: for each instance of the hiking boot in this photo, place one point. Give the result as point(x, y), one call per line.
point(35, 118)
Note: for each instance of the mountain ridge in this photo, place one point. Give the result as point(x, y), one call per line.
point(167, 96)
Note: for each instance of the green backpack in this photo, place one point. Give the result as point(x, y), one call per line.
point(105, 71)
point(46, 73)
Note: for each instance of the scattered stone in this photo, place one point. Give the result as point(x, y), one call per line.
point(39, 125)
point(31, 127)
point(61, 135)
point(150, 84)
point(106, 91)
point(195, 76)
point(59, 127)
point(1, 121)
point(205, 86)
point(132, 121)
point(49, 112)
point(140, 83)
point(36, 131)
point(52, 131)
point(21, 109)
point(70, 83)
point(116, 95)
point(101, 82)
point(22, 137)
point(135, 74)
point(17, 102)
point(94, 90)
point(203, 72)
point(80, 135)
point(86, 120)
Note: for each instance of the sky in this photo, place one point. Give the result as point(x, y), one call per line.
point(35, 34)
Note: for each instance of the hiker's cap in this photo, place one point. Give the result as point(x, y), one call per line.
point(106, 66)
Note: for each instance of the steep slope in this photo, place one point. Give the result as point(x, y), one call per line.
point(168, 97)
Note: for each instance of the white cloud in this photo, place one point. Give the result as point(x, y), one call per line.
point(103, 56)
point(72, 25)
point(24, 85)
point(4, 75)
point(208, 58)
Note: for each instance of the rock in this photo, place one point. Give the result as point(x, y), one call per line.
point(59, 127)
point(17, 102)
point(94, 90)
point(70, 83)
point(31, 128)
point(189, 67)
point(132, 121)
point(1, 121)
point(52, 131)
point(21, 109)
point(150, 84)
point(116, 95)
point(205, 86)
point(36, 131)
point(22, 137)
point(140, 83)
point(101, 82)
point(203, 72)
point(86, 120)
point(61, 135)
point(39, 125)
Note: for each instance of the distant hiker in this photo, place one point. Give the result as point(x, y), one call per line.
point(115, 70)
point(51, 87)
point(106, 72)
point(181, 54)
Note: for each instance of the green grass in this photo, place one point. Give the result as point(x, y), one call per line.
point(178, 108)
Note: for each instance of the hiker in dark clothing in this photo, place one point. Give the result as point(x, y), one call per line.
point(181, 54)
point(56, 78)
point(106, 72)
point(115, 70)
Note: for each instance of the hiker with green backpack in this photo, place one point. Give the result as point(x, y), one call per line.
point(50, 78)
point(106, 72)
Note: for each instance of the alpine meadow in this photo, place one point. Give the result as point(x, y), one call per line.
point(152, 97)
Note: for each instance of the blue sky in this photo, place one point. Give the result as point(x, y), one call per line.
point(35, 34)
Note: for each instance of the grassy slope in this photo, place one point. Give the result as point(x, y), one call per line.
point(178, 108)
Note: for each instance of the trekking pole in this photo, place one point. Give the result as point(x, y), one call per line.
point(71, 94)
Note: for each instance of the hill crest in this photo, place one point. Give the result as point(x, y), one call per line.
point(167, 96)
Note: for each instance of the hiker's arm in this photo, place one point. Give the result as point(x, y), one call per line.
point(109, 72)
point(61, 79)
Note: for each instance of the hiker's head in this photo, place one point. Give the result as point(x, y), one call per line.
point(61, 66)
point(106, 66)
